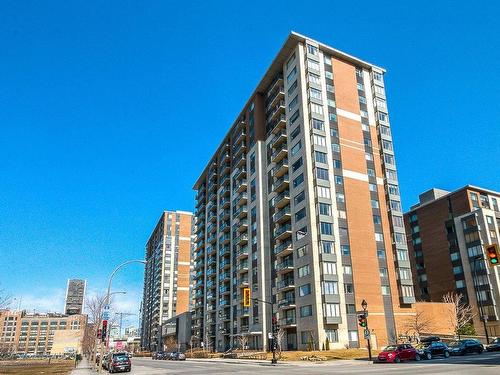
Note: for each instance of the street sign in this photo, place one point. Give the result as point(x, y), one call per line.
point(366, 333)
point(365, 312)
point(270, 336)
point(105, 315)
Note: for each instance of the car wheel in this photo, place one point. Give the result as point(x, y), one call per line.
point(428, 355)
point(417, 357)
point(397, 360)
point(446, 354)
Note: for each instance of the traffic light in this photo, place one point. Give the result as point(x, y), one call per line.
point(99, 333)
point(104, 329)
point(246, 297)
point(492, 254)
point(362, 320)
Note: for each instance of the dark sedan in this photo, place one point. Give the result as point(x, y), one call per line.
point(431, 349)
point(462, 347)
point(494, 346)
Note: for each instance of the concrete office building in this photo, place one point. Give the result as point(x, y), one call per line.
point(167, 275)
point(75, 296)
point(447, 231)
point(300, 202)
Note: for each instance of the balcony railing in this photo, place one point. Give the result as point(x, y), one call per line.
point(286, 283)
point(281, 214)
point(284, 265)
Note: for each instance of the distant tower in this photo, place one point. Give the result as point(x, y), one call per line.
point(75, 295)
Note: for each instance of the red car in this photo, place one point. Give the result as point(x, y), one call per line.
point(398, 353)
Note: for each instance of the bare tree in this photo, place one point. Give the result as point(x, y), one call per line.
point(280, 336)
point(461, 313)
point(418, 324)
point(243, 341)
point(95, 309)
point(5, 300)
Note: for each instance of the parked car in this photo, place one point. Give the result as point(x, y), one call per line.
point(117, 362)
point(494, 345)
point(461, 347)
point(177, 356)
point(398, 353)
point(159, 355)
point(429, 349)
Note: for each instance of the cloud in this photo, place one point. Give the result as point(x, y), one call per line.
point(41, 300)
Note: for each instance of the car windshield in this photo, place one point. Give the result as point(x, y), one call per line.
point(496, 341)
point(120, 357)
point(456, 343)
point(390, 348)
point(423, 345)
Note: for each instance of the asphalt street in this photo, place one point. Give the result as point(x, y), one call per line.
point(486, 363)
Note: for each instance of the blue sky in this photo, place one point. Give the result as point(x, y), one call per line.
point(109, 111)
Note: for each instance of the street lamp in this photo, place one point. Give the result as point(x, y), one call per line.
point(478, 296)
point(364, 305)
point(108, 294)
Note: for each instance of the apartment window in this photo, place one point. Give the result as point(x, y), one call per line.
point(304, 290)
point(337, 164)
point(370, 172)
point(298, 180)
point(316, 108)
point(460, 284)
point(348, 288)
point(297, 164)
point(296, 148)
point(404, 273)
point(319, 140)
point(343, 232)
point(402, 255)
point(301, 251)
point(301, 233)
point(328, 74)
point(327, 247)
point(383, 272)
point(330, 88)
point(318, 124)
point(395, 205)
point(454, 256)
point(363, 113)
point(323, 192)
point(332, 117)
point(329, 268)
point(374, 203)
point(457, 270)
point(398, 221)
point(330, 287)
point(315, 93)
point(368, 156)
point(322, 173)
point(335, 147)
point(489, 219)
point(303, 271)
point(320, 157)
point(292, 74)
point(362, 99)
point(326, 228)
point(417, 241)
point(340, 197)
point(293, 103)
point(327, 60)
point(345, 249)
point(331, 103)
point(383, 116)
point(339, 180)
point(314, 78)
point(325, 209)
point(300, 214)
point(290, 61)
point(313, 50)
point(377, 77)
point(387, 145)
point(332, 335)
point(360, 86)
point(377, 219)
point(386, 291)
point(306, 311)
point(353, 336)
point(295, 133)
point(347, 270)
point(294, 117)
point(332, 310)
point(342, 214)
point(312, 65)
point(474, 251)
point(299, 197)
point(380, 253)
point(292, 88)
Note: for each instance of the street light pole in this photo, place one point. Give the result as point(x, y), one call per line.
point(478, 296)
point(108, 294)
point(273, 329)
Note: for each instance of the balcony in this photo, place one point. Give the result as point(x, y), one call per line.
point(224, 302)
point(224, 169)
point(212, 216)
point(239, 150)
point(224, 276)
point(278, 124)
point(226, 263)
point(210, 296)
point(211, 260)
point(281, 200)
point(288, 322)
point(225, 180)
point(211, 206)
point(285, 266)
point(225, 289)
point(279, 153)
point(212, 228)
point(225, 214)
point(225, 190)
point(223, 251)
point(281, 183)
point(283, 231)
point(240, 173)
point(240, 137)
point(282, 215)
point(245, 311)
point(240, 162)
point(240, 199)
point(198, 274)
point(240, 185)
point(211, 272)
point(281, 168)
point(242, 239)
point(211, 240)
point(225, 227)
point(275, 97)
point(242, 252)
point(241, 212)
point(242, 225)
point(278, 139)
point(276, 110)
point(242, 267)
point(225, 202)
point(243, 282)
point(224, 239)
point(284, 284)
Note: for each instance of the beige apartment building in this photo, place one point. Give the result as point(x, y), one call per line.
point(300, 203)
point(447, 233)
point(34, 334)
point(167, 275)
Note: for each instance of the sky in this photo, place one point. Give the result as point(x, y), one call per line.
point(110, 110)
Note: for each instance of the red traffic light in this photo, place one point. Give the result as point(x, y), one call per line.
point(492, 254)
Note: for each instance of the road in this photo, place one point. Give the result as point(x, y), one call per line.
point(486, 363)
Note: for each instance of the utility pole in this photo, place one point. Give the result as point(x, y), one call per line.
point(274, 328)
point(482, 317)
point(363, 322)
point(122, 314)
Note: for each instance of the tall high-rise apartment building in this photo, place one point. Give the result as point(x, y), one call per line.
point(301, 204)
point(167, 275)
point(447, 233)
point(75, 296)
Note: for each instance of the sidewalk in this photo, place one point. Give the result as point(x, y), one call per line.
point(83, 368)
